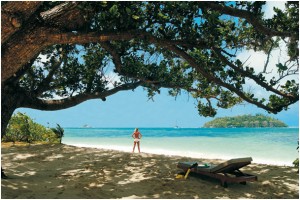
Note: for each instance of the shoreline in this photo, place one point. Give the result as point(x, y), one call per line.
point(276, 147)
point(127, 149)
point(66, 171)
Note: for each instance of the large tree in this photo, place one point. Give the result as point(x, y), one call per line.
point(56, 55)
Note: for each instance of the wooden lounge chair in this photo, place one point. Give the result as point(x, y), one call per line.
point(226, 172)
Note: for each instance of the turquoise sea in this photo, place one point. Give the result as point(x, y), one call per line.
point(265, 145)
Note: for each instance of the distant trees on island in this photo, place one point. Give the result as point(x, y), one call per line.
point(259, 120)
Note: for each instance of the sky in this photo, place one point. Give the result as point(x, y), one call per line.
point(134, 109)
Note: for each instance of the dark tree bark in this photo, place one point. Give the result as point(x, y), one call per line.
point(10, 100)
point(14, 15)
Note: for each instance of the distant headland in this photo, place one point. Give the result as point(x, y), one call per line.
point(241, 121)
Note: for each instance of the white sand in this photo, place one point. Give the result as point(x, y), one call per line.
point(62, 171)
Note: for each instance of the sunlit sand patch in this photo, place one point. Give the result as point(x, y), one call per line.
point(23, 156)
point(53, 157)
point(75, 172)
point(30, 173)
point(294, 187)
point(135, 197)
point(279, 194)
point(264, 170)
point(106, 172)
point(266, 183)
point(136, 177)
point(249, 195)
point(12, 187)
point(95, 185)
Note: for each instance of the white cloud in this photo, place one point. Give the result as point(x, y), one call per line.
point(43, 58)
point(269, 12)
point(258, 59)
point(112, 77)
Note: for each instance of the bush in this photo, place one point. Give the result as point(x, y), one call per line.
point(22, 128)
point(59, 132)
point(296, 162)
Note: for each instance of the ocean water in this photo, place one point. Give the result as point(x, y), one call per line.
point(265, 145)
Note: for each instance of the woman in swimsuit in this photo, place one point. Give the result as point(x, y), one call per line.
point(136, 136)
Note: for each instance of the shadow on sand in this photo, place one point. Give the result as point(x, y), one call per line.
point(61, 171)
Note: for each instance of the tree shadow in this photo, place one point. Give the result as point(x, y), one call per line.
point(61, 171)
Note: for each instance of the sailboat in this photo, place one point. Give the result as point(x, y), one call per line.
point(176, 126)
point(86, 126)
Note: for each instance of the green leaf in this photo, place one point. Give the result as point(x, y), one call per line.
point(114, 10)
point(135, 17)
point(281, 67)
point(128, 10)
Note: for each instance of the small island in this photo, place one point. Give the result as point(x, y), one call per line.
point(241, 121)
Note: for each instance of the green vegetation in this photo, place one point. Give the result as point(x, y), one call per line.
point(82, 50)
point(22, 128)
point(258, 120)
point(296, 162)
point(59, 131)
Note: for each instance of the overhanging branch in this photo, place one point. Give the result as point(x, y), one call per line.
point(44, 85)
point(248, 74)
point(251, 18)
point(218, 81)
point(68, 102)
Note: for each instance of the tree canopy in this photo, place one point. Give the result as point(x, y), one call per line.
point(56, 55)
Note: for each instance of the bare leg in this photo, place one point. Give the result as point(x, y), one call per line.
point(134, 143)
point(138, 143)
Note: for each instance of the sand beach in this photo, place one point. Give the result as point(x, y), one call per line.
point(47, 171)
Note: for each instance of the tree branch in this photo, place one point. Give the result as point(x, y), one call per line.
point(44, 85)
point(44, 37)
point(57, 11)
point(65, 16)
point(13, 80)
point(268, 58)
point(13, 16)
point(42, 104)
point(218, 81)
point(115, 56)
point(253, 77)
point(257, 24)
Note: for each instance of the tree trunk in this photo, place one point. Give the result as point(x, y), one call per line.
point(11, 97)
point(10, 102)
point(20, 49)
point(14, 15)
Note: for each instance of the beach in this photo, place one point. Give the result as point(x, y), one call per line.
point(277, 146)
point(48, 171)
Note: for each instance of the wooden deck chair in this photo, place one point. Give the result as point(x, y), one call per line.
point(226, 172)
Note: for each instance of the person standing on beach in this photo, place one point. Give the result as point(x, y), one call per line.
point(136, 136)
